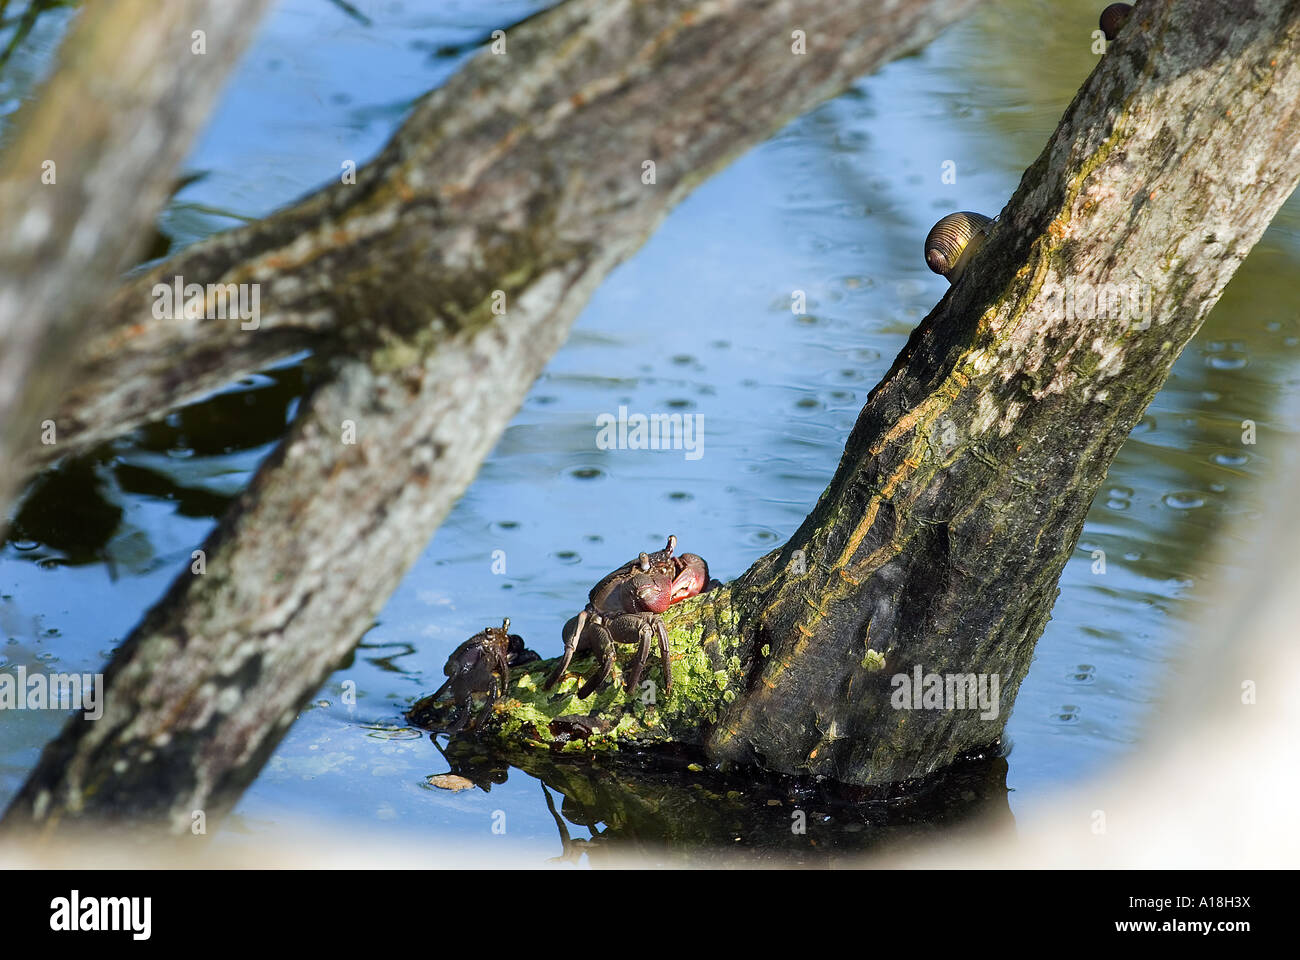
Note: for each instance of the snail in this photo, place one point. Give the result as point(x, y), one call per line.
point(1112, 19)
point(953, 241)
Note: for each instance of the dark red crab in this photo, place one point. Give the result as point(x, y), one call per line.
point(624, 607)
point(474, 667)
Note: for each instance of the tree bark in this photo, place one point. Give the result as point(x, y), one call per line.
point(1164, 172)
point(493, 177)
point(964, 485)
point(520, 181)
point(85, 175)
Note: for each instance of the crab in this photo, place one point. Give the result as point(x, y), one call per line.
point(473, 667)
point(624, 607)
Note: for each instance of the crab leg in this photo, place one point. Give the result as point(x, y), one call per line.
point(570, 644)
point(645, 633)
point(665, 654)
point(606, 647)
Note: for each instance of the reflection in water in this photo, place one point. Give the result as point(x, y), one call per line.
point(387, 661)
point(668, 806)
point(197, 458)
point(66, 512)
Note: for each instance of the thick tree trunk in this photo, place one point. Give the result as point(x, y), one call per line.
point(521, 183)
point(964, 485)
point(85, 175)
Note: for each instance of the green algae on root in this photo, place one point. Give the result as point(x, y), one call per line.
point(707, 671)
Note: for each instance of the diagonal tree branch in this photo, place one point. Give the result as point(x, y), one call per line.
point(427, 198)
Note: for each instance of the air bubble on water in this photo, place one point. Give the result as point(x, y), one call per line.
point(1225, 361)
point(1083, 673)
point(1184, 500)
point(1230, 459)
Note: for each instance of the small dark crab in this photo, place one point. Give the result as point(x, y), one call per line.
point(624, 607)
point(474, 667)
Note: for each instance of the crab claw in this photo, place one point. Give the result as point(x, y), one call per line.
point(692, 577)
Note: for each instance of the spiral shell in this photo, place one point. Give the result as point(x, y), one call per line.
point(1112, 19)
point(953, 240)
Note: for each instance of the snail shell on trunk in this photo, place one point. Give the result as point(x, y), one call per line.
point(1112, 19)
point(953, 241)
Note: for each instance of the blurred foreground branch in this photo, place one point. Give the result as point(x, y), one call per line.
point(87, 169)
point(520, 183)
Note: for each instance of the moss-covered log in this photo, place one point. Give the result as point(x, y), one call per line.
point(445, 276)
point(964, 484)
